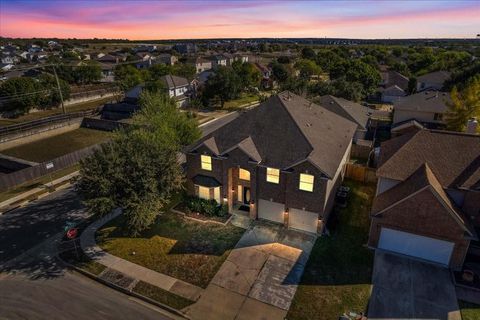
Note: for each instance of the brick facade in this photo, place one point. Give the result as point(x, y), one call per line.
point(287, 191)
point(423, 214)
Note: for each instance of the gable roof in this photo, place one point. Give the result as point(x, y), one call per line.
point(174, 81)
point(284, 130)
point(394, 78)
point(453, 157)
point(425, 101)
point(435, 77)
point(348, 109)
point(394, 91)
point(421, 179)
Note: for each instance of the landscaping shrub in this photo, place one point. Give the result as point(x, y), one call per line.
point(208, 208)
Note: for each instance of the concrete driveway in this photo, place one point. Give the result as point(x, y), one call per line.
point(259, 278)
point(405, 288)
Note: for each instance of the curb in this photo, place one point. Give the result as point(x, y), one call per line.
point(35, 197)
point(123, 290)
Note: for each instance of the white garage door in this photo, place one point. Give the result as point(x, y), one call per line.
point(416, 246)
point(303, 220)
point(272, 211)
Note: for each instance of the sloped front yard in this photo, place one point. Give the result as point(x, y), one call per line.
point(337, 277)
point(186, 250)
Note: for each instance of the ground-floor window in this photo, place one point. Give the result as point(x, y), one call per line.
point(205, 193)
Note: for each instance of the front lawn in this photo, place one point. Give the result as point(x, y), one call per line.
point(184, 249)
point(469, 311)
point(58, 145)
point(240, 102)
point(337, 277)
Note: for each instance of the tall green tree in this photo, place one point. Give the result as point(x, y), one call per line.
point(138, 170)
point(465, 105)
point(127, 76)
point(225, 85)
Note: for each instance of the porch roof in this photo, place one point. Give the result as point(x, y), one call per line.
point(206, 181)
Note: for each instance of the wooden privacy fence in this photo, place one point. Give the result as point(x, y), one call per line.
point(360, 173)
point(16, 178)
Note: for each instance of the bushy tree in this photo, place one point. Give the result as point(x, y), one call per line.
point(280, 72)
point(225, 85)
point(465, 105)
point(127, 76)
point(248, 74)
point(308, 53)
point(307, 68)
point(138, 170)
point(20, 95)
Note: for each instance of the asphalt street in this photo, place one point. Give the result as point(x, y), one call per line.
point(34, 285)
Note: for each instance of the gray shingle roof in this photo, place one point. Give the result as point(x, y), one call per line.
point(435, 77)
point(174, 81)
point(426, 101)
point(285, 130)
point(453, 157)
point(347, 109)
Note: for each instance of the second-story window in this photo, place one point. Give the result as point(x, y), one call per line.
point(273, 175)
point(306, 182)
point(206, 162)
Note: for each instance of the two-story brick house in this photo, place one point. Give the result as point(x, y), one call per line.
point(281, 161)
point(428, 196)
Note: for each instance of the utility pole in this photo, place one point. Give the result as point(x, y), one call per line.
point(59, 89)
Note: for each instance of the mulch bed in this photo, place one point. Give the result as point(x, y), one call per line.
point(183, 209)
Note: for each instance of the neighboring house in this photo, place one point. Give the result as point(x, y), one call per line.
point(6, 66)
point(218, 60)
point(37, 56)
point(202, 64)
point(425, 107)
point(281, 161)
point(118, 111)
point(350, 110)
point(428, 196)
point(167, 59)
point(266, 75)
point(432, 80)
point(9, 58)
point(107, 58)
point(144, 56)
point(391, 94)
point(108, 74)
point(393, 78)
point(178, 88)
point(185, 48)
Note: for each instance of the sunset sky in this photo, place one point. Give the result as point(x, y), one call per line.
point(155, 19)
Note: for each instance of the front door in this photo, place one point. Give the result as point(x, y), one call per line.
point(246, 195)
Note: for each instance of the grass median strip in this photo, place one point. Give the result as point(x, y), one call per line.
point(162, 296)
point(337, 277)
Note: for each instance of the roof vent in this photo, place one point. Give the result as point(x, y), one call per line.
point(308, 124)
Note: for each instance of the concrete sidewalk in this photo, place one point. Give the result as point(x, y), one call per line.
point(135, 271)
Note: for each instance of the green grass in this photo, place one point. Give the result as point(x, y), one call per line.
point(59, 145)
point(237, 103)
point(83, 106)
point(469, 311)
point(36, 183)
point(162, 296)
point(183, 249)
point(337, 277)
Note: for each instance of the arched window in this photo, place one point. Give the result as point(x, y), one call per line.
point(244, 174)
